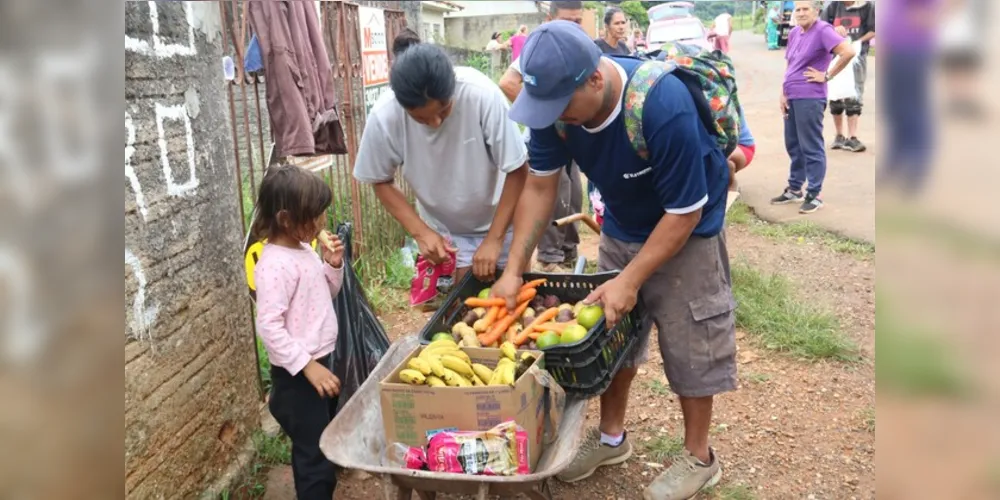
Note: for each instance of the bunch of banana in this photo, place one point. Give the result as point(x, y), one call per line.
point(443, 364)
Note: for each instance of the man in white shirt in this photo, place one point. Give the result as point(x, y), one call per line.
point(723, 27)
point(557, 249)
point(447, 130)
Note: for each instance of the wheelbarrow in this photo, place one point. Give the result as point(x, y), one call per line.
point(355, 440)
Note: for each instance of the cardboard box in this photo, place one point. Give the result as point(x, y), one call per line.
point(413, 413)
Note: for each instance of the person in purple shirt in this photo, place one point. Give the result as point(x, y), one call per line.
point(811, 47)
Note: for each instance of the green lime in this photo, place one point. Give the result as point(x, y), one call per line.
point(589, 316)
point(573, 334)
point(547, 339)
point(442, 335)
point(484, 293)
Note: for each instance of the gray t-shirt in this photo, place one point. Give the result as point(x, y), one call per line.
point(456, 171)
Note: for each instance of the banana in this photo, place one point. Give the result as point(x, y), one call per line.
point(509, 350)
point(508, 373)
point(455, 380)
point(482, 371)
point(477, 382)
point(460, 355)
point(412, 377)
point(438, 350)
point(440, 342)
point(435, 381)
point(434, 363)
point(457, 365)
point(419, 365)
point(495, 379)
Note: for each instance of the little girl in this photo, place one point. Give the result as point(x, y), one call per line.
point(295, 316)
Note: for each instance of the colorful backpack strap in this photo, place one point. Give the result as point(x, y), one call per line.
point(645, 76)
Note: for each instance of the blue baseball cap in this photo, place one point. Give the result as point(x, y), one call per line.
point(557, 58)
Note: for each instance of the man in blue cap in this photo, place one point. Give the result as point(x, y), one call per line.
point(662, 229)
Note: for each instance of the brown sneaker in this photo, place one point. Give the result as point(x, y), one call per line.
point(550, 267)
point(684, 478)
point(594, 454)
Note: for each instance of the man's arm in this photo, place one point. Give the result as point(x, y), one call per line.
point(511, 83)
point(531, 218)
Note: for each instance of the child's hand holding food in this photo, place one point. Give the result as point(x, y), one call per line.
point(331, 248)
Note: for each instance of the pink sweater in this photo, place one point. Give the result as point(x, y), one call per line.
point(295, 316)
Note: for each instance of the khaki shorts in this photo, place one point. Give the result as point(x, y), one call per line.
point(690, 301)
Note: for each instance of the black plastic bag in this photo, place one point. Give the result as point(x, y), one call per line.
point(361, 339)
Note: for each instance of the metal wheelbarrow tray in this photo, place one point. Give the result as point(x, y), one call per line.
point(355, 440)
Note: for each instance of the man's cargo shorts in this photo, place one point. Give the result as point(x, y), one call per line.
point(690, 300)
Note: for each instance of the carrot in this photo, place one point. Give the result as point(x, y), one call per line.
point(502, 313)
point(533, 284)
point(526, 294)
point(534, 334)
point(501, 326)
point(477, 302)
point(541, 319)
point(555, 327)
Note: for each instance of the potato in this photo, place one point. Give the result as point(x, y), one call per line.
point(550, 301)
point(537, 302)
point(457, 328)
point(528, 313)
point(479, 326)
point(480, 312)
point(577, 307)
point(526, 320)
point(470, 317)
point(532, 345)
point(565, 315)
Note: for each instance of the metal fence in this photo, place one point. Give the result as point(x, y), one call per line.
point(376, 233)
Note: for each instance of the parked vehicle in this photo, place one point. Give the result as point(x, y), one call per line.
point(689, 30)
point(786, 24)
point(670, 10)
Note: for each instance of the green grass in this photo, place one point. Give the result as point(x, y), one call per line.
point(868, 419)
point(768, 310)
point(731, 492)
point(664, 447)
point(757, 378)
point(800, 232)
point(913, 361)
point(263, 365)
point(658, 387)
point(386, 281)
point(276, 450)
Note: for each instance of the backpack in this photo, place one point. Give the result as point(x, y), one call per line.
point(708, 75)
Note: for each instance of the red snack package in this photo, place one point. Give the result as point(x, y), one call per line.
point(424, 286)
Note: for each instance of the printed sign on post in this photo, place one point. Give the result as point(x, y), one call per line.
point(374, 55)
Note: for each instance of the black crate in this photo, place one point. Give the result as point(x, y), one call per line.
point(583, 369)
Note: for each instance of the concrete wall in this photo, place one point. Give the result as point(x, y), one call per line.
point(474, 32)
point(495, 8)
point(191, 394)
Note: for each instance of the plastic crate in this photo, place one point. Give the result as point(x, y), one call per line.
point(583, 369)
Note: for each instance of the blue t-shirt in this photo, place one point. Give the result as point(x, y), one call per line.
point(686, 170)
point(746, 138)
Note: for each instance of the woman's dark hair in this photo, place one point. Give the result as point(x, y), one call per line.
point(404, 40)
point(299, 192)
point(610, 14)
point(495, 35)
point(421, 74)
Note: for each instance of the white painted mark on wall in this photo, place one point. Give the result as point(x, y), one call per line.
point(158, 47)
point(22, 338)
point(143, 316)
point(140, 200)
point(176, 112)
point(67, 81)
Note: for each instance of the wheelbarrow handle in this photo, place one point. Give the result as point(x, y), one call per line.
point(588, 220)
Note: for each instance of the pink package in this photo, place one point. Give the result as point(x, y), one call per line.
point(500, 451)
point(423, 288)
point(415, 458)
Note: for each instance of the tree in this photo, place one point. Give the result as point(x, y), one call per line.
point(634, 10)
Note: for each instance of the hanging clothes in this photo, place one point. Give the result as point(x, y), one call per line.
point(300, 98)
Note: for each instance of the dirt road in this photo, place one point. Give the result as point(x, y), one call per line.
point(849, 188)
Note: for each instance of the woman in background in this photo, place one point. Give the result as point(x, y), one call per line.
point(773, 16)
point(517, 42)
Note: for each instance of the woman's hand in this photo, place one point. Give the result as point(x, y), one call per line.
point(814, 75)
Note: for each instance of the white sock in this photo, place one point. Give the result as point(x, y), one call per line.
point(612, 440)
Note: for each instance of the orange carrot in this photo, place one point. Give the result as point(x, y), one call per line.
point(534, 334)
point(555, 327)
point(541, 319)
point(502, 313)
point(477, 302)
point(533, 284)
point(501, 326)
point(526, 294)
